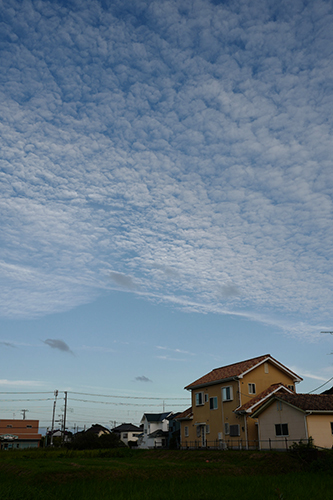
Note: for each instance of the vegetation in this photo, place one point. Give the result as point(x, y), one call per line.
point(122, 473)
point(90, 441)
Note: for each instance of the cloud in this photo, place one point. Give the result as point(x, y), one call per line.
point(123, 281)
point(7, 344)
point(21, 383)
point(191, 151)
point(142, 378)
point(174, 350)
point(58, 344)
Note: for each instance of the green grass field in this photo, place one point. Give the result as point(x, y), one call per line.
point(161, 475)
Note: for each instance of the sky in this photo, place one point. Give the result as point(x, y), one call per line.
point(166, 199)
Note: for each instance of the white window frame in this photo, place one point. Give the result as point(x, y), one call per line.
point(291, 387)
point(213, 403)
point(206, 397)
point(226, 429)
point(225, 391)
point(207, 429)
point(199, 396)
point(252, 388)
point(186, 431)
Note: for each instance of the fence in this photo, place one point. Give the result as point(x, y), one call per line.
point(241, 444)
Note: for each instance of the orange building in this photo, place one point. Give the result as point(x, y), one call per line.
point(19, 434)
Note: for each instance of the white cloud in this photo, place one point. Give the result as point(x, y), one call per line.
point(187, 157)
point(21, 383)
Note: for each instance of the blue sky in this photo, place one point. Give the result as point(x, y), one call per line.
point(166, 198)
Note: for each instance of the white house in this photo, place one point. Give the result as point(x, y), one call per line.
point(155, 430)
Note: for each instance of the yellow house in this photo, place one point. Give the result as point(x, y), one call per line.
point(288, 418)
point(223, 399)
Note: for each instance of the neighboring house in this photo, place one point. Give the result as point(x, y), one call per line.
point(98, 430)
point(223, 399)
point(174, 431)
point(155, 430)
point(287, 418)
point(19, 434)
point(127, 433)
point(329, 391)
point(65, 436)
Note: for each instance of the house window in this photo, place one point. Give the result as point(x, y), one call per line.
point(29, 426)
point(186, 433)
point(234, 430)
point(227, 393)
point(198, 399)
point(332, 427)
point(207, 429)
point(281, 430)
point(198, 431)
point(125, 435)
point(226, 429)
point(9, 425)
point(213, 403)
point(206, 398)
point(252, 388)
point(291, 387)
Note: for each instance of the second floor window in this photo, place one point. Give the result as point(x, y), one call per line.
point(252, 388)
point(198, 399)
point(213, 403)
point(227, 393)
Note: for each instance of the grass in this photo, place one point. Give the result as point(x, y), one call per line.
point(160, 475)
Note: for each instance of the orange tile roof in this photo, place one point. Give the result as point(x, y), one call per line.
point(186, 415)
point(235, 370)
point(262, 397)
point(309, 402)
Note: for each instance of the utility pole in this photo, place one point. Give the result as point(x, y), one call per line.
point(23, 413)
point(54, 407)
point(65, 410)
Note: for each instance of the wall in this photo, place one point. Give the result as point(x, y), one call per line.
point(319, 428)
point(287, 415)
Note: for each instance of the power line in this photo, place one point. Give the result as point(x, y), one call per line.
point(322, 385)
point(127, 397)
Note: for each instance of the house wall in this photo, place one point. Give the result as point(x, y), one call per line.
point(25, 430)
point(150, 427)
point(262, 376)
point(284, 415)
point(319, 428)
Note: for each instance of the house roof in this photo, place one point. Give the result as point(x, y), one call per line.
point(260, 398)
point(126, 428)
point(305, 402)
point(329, 391)
point(158, 433)
point(186, 415)
point(238, 370)
point(97, 428)
point(156, 417)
